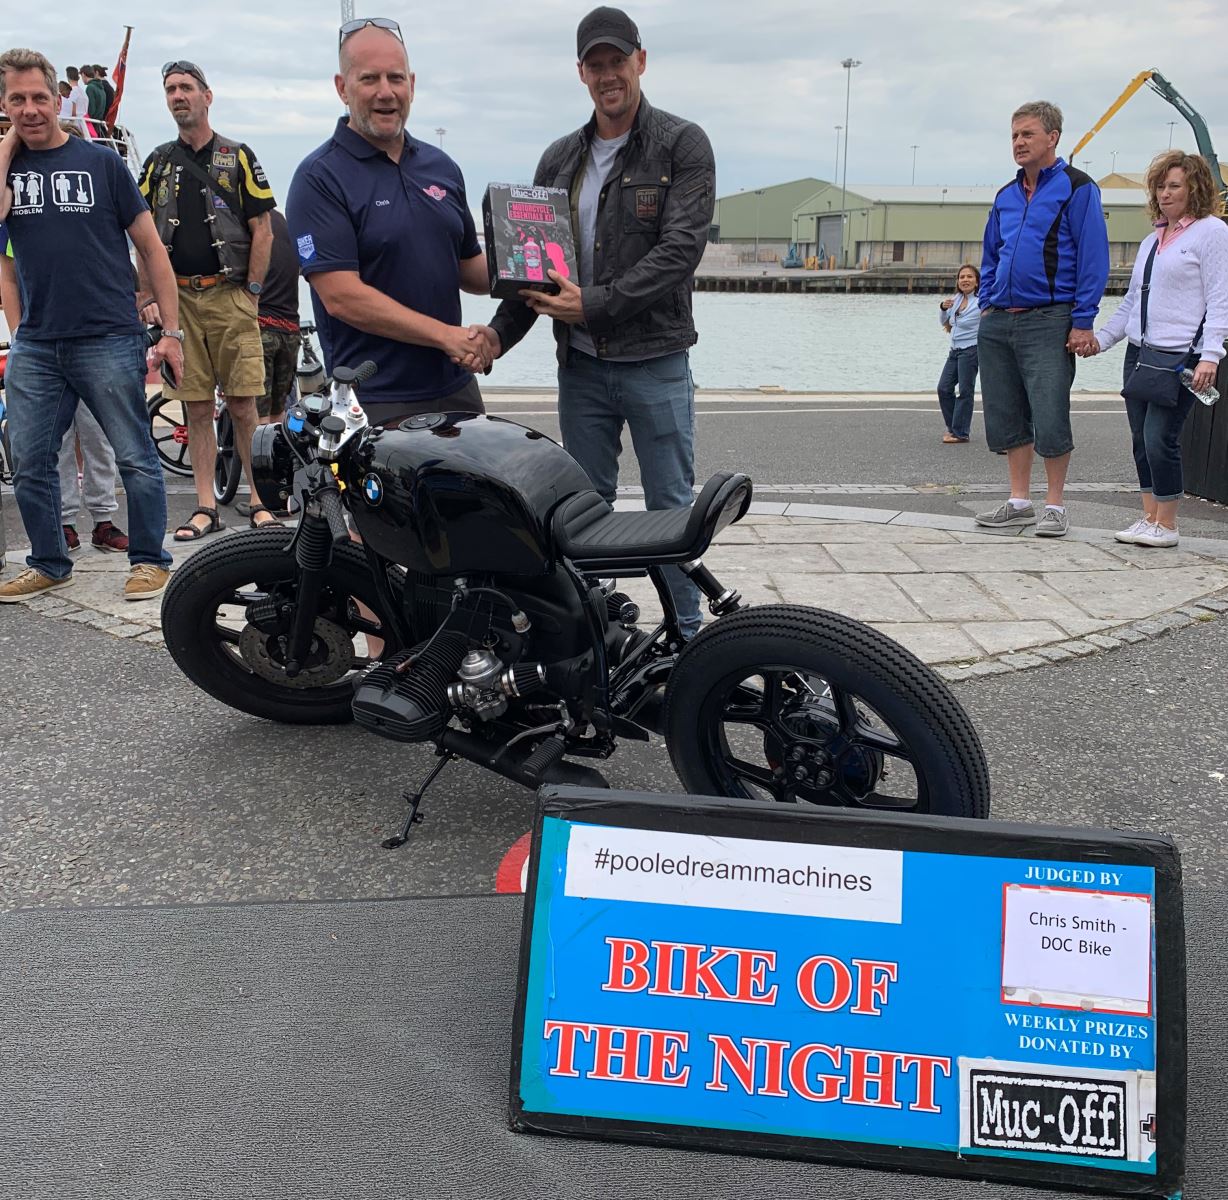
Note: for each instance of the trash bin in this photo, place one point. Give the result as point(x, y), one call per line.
point(1204, 446)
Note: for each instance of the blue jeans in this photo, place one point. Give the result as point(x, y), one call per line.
point(655, 398)
point(957, 409)
point(1156, 434)
point(1026, 373)
point(44, 382)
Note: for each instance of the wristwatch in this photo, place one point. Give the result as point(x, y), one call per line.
point(177, 334)
point(254, 287)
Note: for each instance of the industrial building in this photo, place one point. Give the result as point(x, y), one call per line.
point(921, 226)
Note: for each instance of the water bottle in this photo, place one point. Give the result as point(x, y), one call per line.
point(1209, 397)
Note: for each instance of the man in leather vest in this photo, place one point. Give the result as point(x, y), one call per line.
point(211, 205)
point(641, 183)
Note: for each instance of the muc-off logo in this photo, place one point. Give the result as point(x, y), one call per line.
point(1058, 1114)
point(528, 193)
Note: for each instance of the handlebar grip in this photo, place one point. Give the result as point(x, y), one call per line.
point(365, 371)
point(334, 513)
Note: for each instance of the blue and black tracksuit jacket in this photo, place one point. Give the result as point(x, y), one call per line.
point(1052, 249)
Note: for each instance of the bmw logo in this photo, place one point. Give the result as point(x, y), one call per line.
point(372, 489)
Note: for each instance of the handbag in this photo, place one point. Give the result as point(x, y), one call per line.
point(1156, 378)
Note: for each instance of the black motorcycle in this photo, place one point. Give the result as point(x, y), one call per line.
point(480, 614)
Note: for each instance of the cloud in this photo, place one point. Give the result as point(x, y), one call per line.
point(765, 82)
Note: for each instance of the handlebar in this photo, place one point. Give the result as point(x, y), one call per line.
point(352, 375)
point(333, 512)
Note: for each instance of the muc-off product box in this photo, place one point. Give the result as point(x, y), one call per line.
point(528, 233)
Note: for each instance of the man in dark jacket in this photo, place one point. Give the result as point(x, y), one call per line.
point(641, 182)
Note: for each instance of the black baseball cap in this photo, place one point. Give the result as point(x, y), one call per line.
point(607, 27)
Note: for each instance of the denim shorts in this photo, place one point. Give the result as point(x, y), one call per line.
point(1026, 375)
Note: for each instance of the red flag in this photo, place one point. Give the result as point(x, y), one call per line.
point(117, 78)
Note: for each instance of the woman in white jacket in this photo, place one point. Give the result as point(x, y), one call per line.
point(1187, 306)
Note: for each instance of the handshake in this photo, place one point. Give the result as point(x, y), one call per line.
point(475, 348)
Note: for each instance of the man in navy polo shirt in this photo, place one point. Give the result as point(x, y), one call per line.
point(386, 240)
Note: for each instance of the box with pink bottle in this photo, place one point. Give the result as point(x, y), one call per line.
point(528, 233)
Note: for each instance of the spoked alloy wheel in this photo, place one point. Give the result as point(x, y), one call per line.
point(797, 705)
point(168, 422)
point(205, 620)
point(227, 467)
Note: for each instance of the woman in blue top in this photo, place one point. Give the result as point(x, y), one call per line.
point(960, 315)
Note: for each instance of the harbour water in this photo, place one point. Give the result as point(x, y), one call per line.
point(807, 343)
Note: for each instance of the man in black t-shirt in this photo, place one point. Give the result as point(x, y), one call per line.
point(211, 205)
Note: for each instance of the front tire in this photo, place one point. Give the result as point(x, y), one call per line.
point(207, 633)
point(797, 704)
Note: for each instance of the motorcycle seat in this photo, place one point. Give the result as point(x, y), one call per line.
point(595, 537)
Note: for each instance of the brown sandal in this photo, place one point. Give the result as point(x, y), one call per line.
point(187, 532)
point(260, 508)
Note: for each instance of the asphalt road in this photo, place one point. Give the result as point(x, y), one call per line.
point(123, 785)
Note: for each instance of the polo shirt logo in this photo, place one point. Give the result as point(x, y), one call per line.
point(306, 248)
point(435, 191)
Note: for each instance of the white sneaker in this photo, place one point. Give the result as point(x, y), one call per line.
point(1156, 535)
point(1130, 536)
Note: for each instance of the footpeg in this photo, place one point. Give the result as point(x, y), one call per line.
point(544, 757)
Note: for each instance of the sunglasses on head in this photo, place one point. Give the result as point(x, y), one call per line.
point(186, 68)
point(351, 27)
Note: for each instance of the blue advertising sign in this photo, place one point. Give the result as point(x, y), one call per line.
point(945, 995)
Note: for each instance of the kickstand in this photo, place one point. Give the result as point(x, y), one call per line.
point(414, 799)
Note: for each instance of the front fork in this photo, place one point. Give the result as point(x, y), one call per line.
point(313, 552)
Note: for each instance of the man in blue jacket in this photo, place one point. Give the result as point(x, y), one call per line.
point(1043, 271)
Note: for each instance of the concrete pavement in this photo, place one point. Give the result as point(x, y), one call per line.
point(967, 601)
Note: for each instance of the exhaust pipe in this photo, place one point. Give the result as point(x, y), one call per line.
point(512, 764)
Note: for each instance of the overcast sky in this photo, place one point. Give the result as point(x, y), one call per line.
point(763, 78)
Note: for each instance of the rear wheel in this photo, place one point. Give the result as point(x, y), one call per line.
point(220, 618)
point(169, 425)
point(227, 467)
point(799, 705)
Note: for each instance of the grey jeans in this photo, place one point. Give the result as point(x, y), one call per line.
point(1026, 376)
point(97, 485)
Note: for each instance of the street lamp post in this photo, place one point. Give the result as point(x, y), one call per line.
point(914, 164)
point(441, 132)
point(1170, 133)
point(758, 193)
point(836, 168)
point(1114, 167)
point(848, 64)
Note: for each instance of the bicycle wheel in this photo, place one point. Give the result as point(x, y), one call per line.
point(228, 467)
point(168, 423)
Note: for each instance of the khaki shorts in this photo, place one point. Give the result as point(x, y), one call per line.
point(221, 344)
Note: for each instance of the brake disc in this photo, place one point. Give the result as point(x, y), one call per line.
point(330, 658)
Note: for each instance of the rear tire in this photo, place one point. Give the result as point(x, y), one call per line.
point(228, 467)
point(769, 702)
point(209, 653)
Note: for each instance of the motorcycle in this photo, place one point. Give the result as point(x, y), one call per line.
point(480, 614)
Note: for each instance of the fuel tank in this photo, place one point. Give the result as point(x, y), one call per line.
point(450, 493)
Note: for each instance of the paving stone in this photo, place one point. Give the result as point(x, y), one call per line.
point(1130, 635)
point(736, 535)
point(879, 557)
point(1103, 641)
point(1018, 555)
point(1022, 661)
point(1152, 559)
point(1000, 637)
point(82, 616)
point(1057, 653)
point(1028, 597)
point(126, 631)
point(864, 597)
point(982, 669)
point(850, 531)
point(949, 597)
point(843, 512)
point(765, 514)
point(152, 639)
point(1213, 604)
point(1132, 594)
point(1079, 647)
point(784, 560)
point(936, 521)
point(953, 674)
point(933, 641)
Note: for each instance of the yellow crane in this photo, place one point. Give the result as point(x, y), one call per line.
point(1162, 87)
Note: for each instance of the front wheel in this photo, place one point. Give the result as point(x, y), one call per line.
point(221, 616)
point(797, 704)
